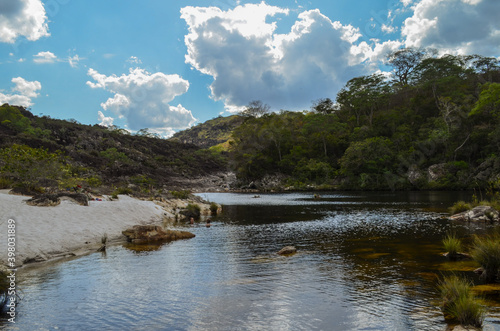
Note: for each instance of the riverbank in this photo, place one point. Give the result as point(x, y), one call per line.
point(70, 229)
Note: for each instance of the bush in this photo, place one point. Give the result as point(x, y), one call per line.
point(486, 252)
point(459, 207)
point(180, 194)
point(121, 190)
point(213, 208)
point(459, 303)
point(192, 210)
point(452, 245)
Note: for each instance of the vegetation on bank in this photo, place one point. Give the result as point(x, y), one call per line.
point(40, 152)
point(433, 125)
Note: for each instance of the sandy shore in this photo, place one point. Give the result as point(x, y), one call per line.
point(69, 229)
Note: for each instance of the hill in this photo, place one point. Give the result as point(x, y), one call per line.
point(210, 133)
point(40, 152)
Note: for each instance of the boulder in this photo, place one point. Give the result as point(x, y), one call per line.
point(139, 234)
point(288, 250)
point(436, 172)
point(479, 213)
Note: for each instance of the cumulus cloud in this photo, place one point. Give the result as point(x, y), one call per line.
point(248, 60)
point(455, 26)
point(22, 18)
point(143, 98)
point(103, 120)
point(44, 57)
point(22, 93)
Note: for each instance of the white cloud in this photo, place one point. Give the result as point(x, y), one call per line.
point(455, 26)
point(73, 61)
point(103, 120)
point(142, 99)
point(22, 18)
point(134, 59)
point(22, 93)
point(44, 57)
point(249, 61)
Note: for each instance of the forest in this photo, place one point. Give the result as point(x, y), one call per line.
point(433, 123)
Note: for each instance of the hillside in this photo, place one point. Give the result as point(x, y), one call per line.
point(210, 133)
point(41, 151)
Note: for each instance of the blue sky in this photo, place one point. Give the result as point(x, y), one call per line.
point(167, 65)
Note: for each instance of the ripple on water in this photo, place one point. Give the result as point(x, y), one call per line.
point(361, 264)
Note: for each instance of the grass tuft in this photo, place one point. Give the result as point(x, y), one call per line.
point(486, 252)
point(459, 303)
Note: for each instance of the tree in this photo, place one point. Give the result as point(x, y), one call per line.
point(323, 106)
point(256, 109)
point(363, 95)
point(404, 61)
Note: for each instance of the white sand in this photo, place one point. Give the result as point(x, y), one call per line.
point(69, 228)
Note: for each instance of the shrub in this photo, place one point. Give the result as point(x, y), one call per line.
point(121, 190)
point(184, 194)
point(459, 302)
point(459, 207)
point(452, 244)
point(486, 252)
point(213, 208)
point(192, 210)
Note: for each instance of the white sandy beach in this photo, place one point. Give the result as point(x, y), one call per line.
point(43, 233)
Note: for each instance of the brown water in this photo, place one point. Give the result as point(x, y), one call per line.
point(365, 261)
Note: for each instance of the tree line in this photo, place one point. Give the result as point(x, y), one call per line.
point(433, 123)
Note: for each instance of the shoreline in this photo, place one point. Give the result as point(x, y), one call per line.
point(71, 230)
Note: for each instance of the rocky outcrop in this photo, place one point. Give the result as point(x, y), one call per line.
point(45, 200)
point(436, 172)
point(139, 234)
point(479, 213)
point(287, 250)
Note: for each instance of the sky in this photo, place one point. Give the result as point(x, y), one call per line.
point(168, 65)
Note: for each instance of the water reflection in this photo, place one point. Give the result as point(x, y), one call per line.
point(364, 261)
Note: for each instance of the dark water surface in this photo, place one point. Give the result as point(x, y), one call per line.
point(365, 261)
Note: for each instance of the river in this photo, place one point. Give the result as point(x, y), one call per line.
point(365, 261)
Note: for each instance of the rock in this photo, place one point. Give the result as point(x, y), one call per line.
point(149, 233)
point(288, 250)
point(54, 199)
point(479, 213)
point(436, 171)
point(457, 256)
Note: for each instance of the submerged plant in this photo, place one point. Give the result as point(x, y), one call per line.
point(486, 252)
point(459, 302)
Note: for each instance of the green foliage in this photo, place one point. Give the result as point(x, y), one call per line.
point(214, 208)
point(486, 252)
point(452, 244)
point(29, 167)
point(192, 210)
point(11, 117)
point(184, 194)
point(113, 155)
point(459, 302)
point(459, 206)
point(121, 190)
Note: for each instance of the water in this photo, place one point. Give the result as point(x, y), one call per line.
point(365, 261)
